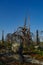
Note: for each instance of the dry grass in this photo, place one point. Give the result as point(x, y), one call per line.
point(18, 63)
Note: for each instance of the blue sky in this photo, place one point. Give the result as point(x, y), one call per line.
point(13, 13)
